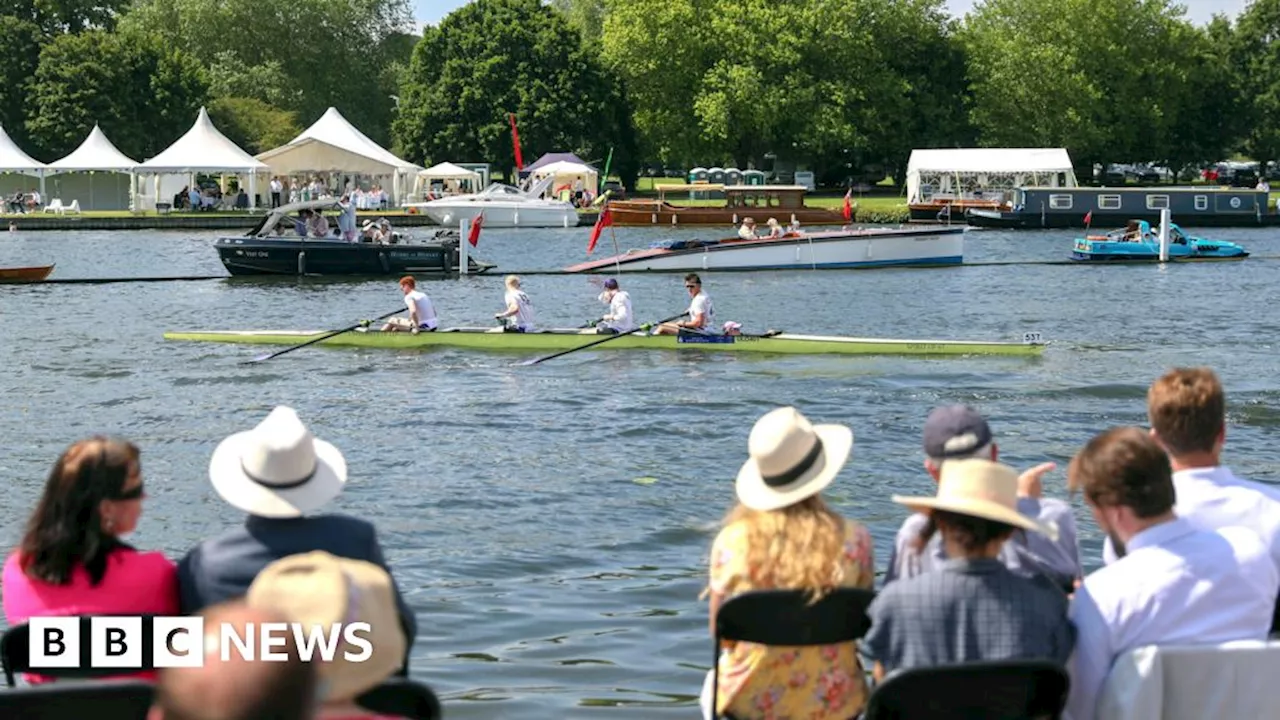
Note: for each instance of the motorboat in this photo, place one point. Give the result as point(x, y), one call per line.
point(278, 246)
point(1138, 242)
point(796, 250)
point(502, 206)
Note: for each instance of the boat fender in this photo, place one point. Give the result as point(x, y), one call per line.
point(302, 262)
point(385, 262)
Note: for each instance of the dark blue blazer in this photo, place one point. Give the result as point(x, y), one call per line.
point(222, 568)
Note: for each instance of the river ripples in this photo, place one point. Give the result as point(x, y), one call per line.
point(549, 524)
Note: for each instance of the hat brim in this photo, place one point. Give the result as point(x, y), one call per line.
point(243, 493)
point(755, 493)
point(975, 507)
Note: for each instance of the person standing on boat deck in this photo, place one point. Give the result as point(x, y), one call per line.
point(1178, 584)
point(702, 314)
point(748, 229)
point(958, 432)
point(422, 313)
point(519, 307)
point(619, 319)
point(347, 218)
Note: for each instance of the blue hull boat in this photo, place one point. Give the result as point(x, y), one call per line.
point(1138, 242)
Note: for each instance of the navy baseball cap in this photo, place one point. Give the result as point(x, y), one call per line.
point(611, 283)
point(955, 431)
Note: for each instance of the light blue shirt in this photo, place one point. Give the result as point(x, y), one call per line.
point(347, 218)
point(1176, 585)
point(1213, 497)
point(1026, 552)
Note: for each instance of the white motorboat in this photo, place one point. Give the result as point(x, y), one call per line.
point(503, 206)
point(844, 248)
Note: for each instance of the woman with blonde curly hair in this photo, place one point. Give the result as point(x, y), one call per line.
point(782, 535)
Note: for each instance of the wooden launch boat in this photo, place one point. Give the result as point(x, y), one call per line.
point(13, 276)
point(759, 202)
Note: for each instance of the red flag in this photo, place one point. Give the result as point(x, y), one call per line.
point(1088, 218)
point(473, 237)
point(848, 206)
point(605, 220)
point(515, 140)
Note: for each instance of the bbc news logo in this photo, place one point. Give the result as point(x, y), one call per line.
point(122, 642)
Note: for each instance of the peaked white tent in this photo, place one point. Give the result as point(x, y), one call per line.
point(447, 171)
point(333, 145)
point(14, 160)
point(956, 171)
point(204, 149)
point(567, 172)
point(95, 154)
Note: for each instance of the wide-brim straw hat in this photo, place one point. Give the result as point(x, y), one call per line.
point(978, 488)
point(318, 588)
point(277, 469)
point(790, 460)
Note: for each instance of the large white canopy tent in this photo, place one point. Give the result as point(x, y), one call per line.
point(13, 161)
point(96, 154)
point(334, 145)
point(957, 171)
point(447, 171)
point(566, 172)
point(203, 149)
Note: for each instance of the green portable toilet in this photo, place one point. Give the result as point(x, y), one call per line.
point(697, 175)
point(752, 177)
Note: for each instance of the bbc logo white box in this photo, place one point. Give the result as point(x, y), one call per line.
point(54, 642)
point(178, 642)
point(115, 642)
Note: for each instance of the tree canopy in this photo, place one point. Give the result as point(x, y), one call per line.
point(494, 57)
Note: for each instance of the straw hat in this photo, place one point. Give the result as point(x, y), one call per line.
point(978, 488)
point(317, 588)
point(791, 459)
point(278, 469)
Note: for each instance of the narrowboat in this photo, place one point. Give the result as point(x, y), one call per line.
point(733, 203)
point(277, 246)
point(1137, 242)
point(1057, 207)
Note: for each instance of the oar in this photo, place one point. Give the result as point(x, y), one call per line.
point(591, 324)
point(601, 342)
point(326, 336)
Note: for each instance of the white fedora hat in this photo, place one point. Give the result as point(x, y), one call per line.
point(317, 588)
point(278, 469)
point(979, 488)
point(791, 459)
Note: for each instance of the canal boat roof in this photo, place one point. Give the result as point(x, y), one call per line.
point(1158, 190)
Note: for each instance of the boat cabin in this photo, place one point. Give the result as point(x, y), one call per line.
point(295, 221)
point(1142, 202)
point(784, 197)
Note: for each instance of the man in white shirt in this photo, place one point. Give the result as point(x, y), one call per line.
point(619, 319)
point(519, 307)
point(277, 188)
point(1173, 583)
point(422, 313)
point(702, 314)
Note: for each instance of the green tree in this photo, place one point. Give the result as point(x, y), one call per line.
point(1207, 110)
point(55, 17)
point(143, 94)
point(253, 124)
point(315, 53)
point(494, 57)
point(1094, 76)
point(19, 54)
point(587, 17)
point(1256, 51)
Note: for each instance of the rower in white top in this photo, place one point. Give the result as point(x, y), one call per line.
point(518, 317)
point(422, 313)
point(619, 319)
point(702, 314)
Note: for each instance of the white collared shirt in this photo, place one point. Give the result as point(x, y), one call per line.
point(1176, 585)
point(1213, 497)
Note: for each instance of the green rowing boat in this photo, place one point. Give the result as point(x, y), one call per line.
point(551, 340)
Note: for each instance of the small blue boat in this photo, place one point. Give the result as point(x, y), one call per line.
point(1138, 242)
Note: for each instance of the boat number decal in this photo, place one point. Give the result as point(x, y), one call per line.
point(402, 255)
point(712, 339)
point(1235, 202)
point(1031, 338)
point(253, 253)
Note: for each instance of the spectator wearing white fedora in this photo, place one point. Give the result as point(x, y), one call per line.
point(281, 475)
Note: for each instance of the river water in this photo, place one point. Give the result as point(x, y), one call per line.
point(550, 523)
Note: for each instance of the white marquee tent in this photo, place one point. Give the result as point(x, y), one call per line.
point(448, 171)
point(566, 173)
point(955, 171)
point(334, 145)
point(203, 149)
point(75, 174)
point(14, 160)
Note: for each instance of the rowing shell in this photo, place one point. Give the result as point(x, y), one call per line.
point(551, 340)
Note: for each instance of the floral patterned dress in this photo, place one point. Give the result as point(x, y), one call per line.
point(821, 682)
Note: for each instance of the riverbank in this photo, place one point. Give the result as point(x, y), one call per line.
point(125, 220)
